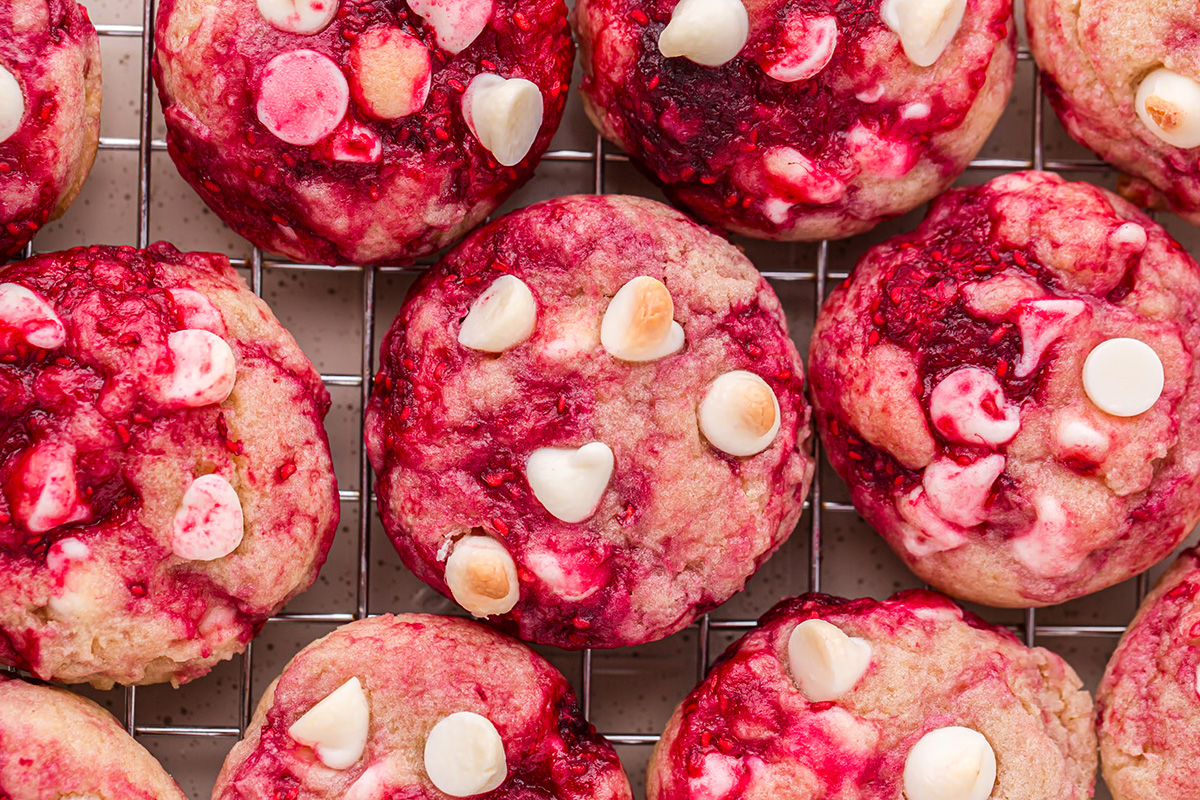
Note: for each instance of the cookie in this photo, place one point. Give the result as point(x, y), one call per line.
point(589, 423)
point(165, 480)
point(338, 131)
point(420, 706)
point(57, 744)
point(912, 697)
point(1148, 701)
point(1125, 82)
point(1008, 391)
point(791, 120)
point(49, 113)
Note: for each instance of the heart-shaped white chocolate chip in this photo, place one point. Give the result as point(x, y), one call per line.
point(303, 17)
point(12, 104)
point(1169, 105)
point(482, 576)
point(209, 523)
point(1123, 377)
point(505, 114)
point(205, 369)
point(952, 763)
point(969, 405)
point(500, 318)
point(740, 414)
point(825, 662)
point(303, 96)
point(639, 322)
point(569, 483)
point(43, 490)
point(24, 311)
point(337, 727)
point(456, 23)
point(464, 755)
point(390, 73)
point(925, 27)
point(708, 32)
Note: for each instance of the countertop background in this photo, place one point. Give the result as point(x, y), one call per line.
point(338, 318)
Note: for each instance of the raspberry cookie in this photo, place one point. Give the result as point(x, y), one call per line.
point(1008, 391)
point(1149, 706)
point(866, 700)
point(49, 113)
point(332, 130)
point(589, 423)
point(1125, 81)
point(165, 481)
point(797, 120)
point(56, 744)
point(420, 706)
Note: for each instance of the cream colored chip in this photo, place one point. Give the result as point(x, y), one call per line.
point(708, 32)
point(12, 104)
point(825, 662)
point(952, 763)
point(505, 115)
point(464, 755)
point(639, 323)
point(925, 27)
point(740, 414)
point(570, 483)
point(482, 576)
point(337, 727)
point(1123, 377)
point(1169, 105)
point(304, 17)
point(500, 318)
point(209, 523)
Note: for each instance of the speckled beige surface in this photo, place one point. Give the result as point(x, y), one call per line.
point(633, 690)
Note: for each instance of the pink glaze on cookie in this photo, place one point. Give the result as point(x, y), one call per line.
point(677, 525)
point(415, 670)
point(53, 52)
point(351, 143)
point(1149, 700)
point(820, 127)
point(165, 489)
point(948, 375)
point(749, 731)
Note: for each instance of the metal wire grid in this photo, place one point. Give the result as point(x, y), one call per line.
point(596, 160)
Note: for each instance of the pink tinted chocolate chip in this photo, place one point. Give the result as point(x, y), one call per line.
point(390, 73)
point(925, 531)
point(803, 49)
point(969, 406)
point(878, 155)
point(205, 369)
point(303, 97)
point(24, 316)
point(1041, 323)
point(959, 493)
point(209, 523)
point(354, 143)
point(798, 179)
point(194, 310)
point(42, 490)
point(456, 23)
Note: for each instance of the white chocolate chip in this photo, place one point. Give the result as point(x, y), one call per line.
point(43, 491)
point(1041, 323)
point(825, 662)
point(969, 406)
point(959, 493)
point(303, 97)
point(337, 727)
point(505, 114)
point(799, 179)
point(390, 73)
point(303, 17)
point(1047, 548)
point(639, 322)
point(371, 785)
point(952, 763)
point(808, 45)
point(739, 414)
point(708, 32)
point(205, 369)
point(924, 531)
point(1169, 105)
point(195, 310)
point(569, 483)
point(1078, 438)
point(464, 755)
point(456, 23)
point(12, 104)
point(209, 523)
point(24, 311)
point(925, 27)
point(500, 318)
point(482, 576)
point(1123, 377)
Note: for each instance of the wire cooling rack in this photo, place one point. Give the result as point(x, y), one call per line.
point(824, 267)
